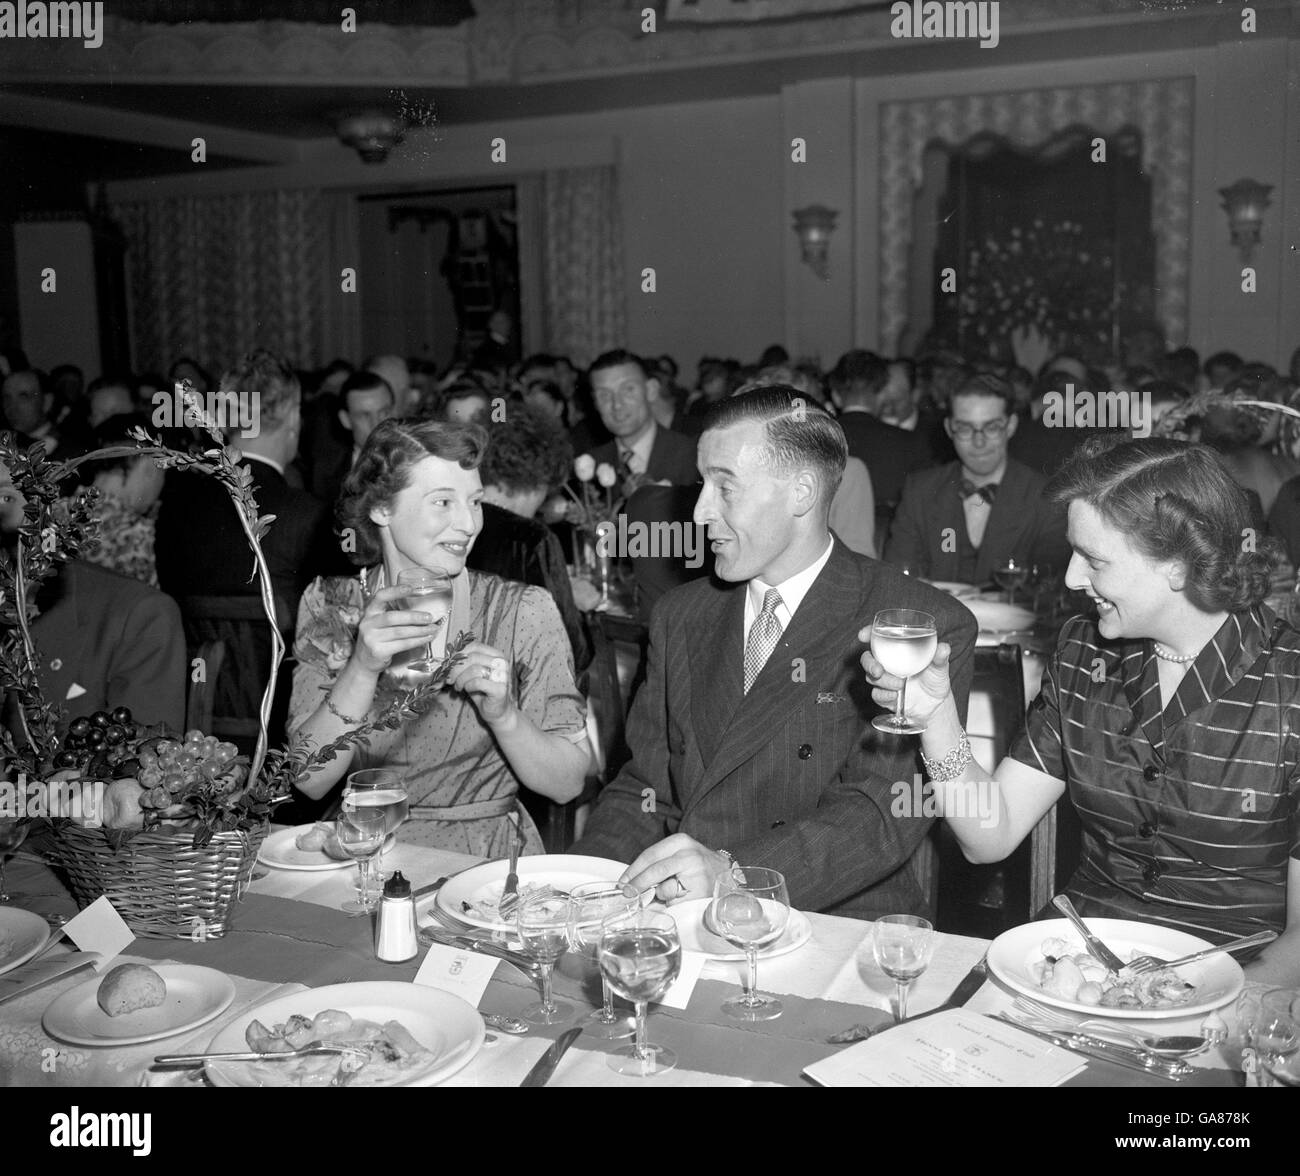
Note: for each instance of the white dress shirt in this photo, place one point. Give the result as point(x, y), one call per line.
point(638, 455)
point(792, 593)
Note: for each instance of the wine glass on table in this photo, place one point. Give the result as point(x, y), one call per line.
point(543, 923)
point(1010, 574)
point(361, 833)
point(13, 832)
point(903, 641)
point(1270, 1025)
point(382, 789)
point(426, 590)
point(750, 909)
point(591, 903)
point(903, 945)
point(640, 957)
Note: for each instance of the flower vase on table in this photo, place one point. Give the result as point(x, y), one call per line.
point(593, 513)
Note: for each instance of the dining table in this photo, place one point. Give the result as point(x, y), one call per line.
point(289, 933)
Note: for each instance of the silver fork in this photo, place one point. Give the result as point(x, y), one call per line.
point(1146, 963)
point(311, 1048)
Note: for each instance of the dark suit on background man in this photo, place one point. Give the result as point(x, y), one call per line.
point(889, 453)
point(202, 549)
point(929, 532)
point(528, 551)
point(790, 775)
point(672, 458)
point(1046, 450)
point(105, 641)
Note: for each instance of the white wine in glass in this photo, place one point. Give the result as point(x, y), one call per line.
point(426, 590)
point(1010, 574)
point(903, 640)
point(640, 957)
point(382, 789)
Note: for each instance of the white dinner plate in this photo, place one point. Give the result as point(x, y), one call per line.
point(485, 883)
point(696, 933)
point(953, 588)
point(22, 935)
point(1016, 957)
point(440, 1021)
point(194, 996)
point(280, 852)
point(997, 616)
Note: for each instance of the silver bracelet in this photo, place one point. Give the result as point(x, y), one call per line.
point(338, 714)
point(953, 765)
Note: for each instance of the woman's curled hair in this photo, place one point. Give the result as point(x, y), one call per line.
point(1175, 501)
point(383, 470)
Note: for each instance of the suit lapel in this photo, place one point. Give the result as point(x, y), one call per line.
point(715, 636)
point(779, 692)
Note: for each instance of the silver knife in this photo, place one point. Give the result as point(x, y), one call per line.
point(431, 887)
point(1096, 948)
point(971, 983)
point(546, 1064)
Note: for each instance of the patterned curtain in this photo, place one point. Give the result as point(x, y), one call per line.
point(215, 276)
point(583, 263)
point(1162, 111)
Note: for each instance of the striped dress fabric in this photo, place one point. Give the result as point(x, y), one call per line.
point(1190, 815)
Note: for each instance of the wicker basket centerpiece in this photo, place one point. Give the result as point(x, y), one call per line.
point(167, 826)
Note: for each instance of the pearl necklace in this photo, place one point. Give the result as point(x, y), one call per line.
point(1169, 656)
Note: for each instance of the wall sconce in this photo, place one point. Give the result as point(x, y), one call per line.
point(371, 133)
point(1244, 203)
point(814, 226)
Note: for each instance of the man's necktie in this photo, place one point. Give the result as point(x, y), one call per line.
point(625, 471)
point(764, 633)
point(987, 492)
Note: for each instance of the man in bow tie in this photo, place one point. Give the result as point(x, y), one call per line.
point(751, 736)
point(962, 520)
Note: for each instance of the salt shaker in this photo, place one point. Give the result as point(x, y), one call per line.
point(395, 939)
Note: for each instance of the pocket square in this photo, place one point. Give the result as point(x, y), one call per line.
point(830, 698)
point(74, 691)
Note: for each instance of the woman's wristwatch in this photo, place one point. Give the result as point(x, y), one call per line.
point(951, 766)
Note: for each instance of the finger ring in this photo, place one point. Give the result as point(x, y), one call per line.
point(682, 888)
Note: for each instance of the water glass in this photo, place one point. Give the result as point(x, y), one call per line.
point(750, 909)
point(591, 903)
point(543, 923)
point(640, 957)
point(903, 640)
point(903, 945)
point(361, 834)
point(384, 790)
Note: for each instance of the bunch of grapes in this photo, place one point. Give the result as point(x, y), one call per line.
point(170, 769)
point(105, 736)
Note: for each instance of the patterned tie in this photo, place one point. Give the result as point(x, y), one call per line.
point(764, 633)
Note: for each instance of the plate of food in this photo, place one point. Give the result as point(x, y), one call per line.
point(1047, 962)
point(405, 1035)
point(473, 896)
point(133, 1003)
point(22, 935)
point(697, 933)
point(309, 847)
point(953, 588)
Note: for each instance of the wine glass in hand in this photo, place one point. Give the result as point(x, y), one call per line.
point(13, 832)
point(361, 833)
point(750, 908)
point(903, 641)
point(640, 957)
point(543, 923)
point(902, 945)
point(591, 903)
point(427, 591)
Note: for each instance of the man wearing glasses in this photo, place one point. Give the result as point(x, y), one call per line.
point(962, 520)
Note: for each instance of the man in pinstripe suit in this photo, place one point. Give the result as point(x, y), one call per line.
point(752, 733)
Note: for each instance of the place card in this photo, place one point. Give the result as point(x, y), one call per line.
point(101, 929)
point(952, 1048)
point(464, 973)
point(679, 991)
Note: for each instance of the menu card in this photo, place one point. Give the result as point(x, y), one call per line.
point(952, 1048)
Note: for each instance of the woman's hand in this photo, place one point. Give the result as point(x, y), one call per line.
point(384, 632)
point(483, 673)
point(928, 689)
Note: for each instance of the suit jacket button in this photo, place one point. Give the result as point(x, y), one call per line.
point(805, 751)
point(1150, 772)
point(1151, 875)
point(1146, 829)
point(777, 824)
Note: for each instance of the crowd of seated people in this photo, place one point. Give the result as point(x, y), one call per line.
point(944, 473)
